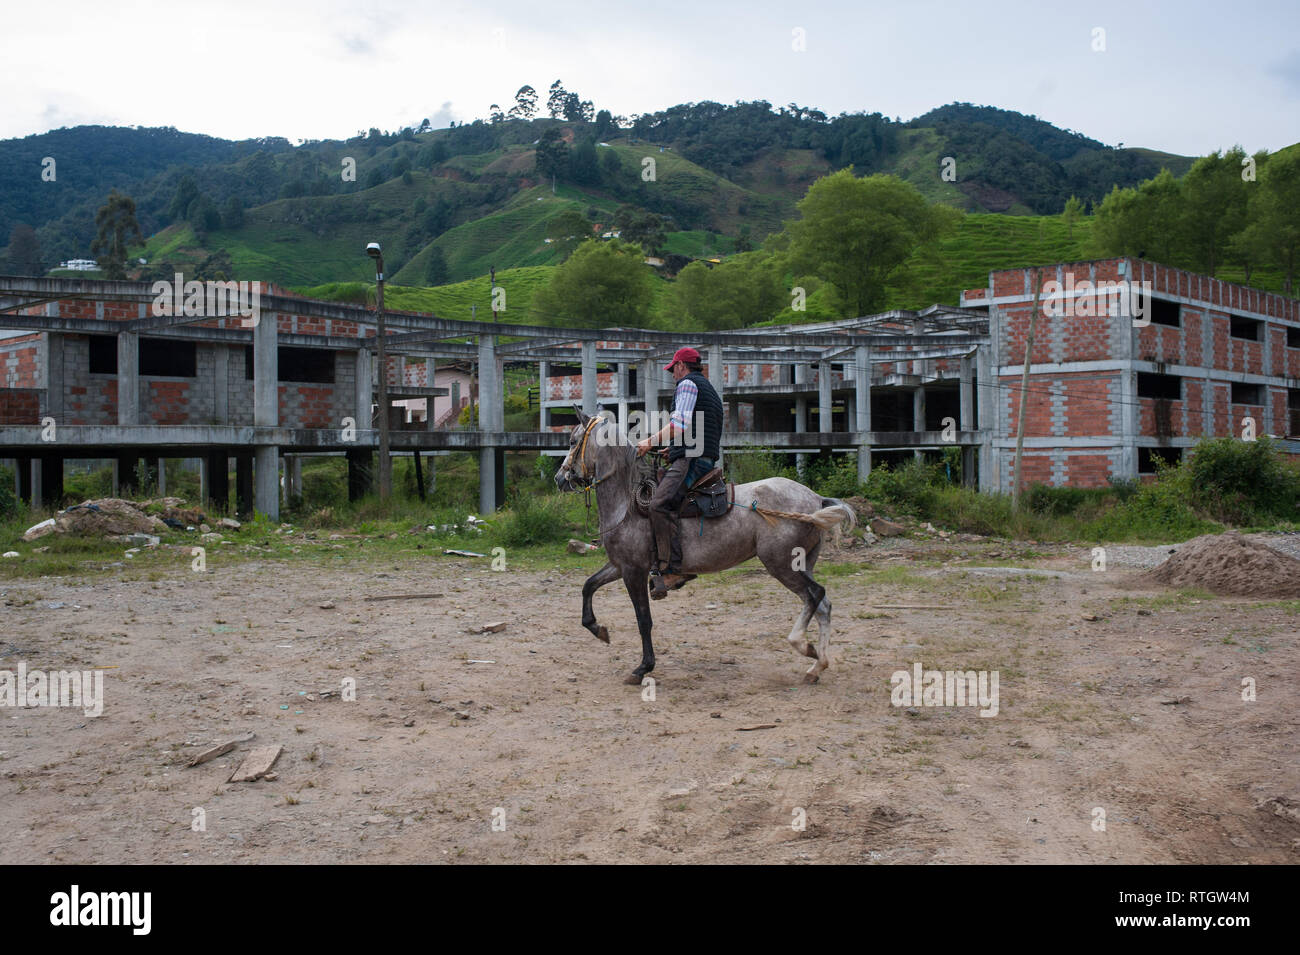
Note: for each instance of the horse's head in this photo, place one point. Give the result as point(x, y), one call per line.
point(579, 467)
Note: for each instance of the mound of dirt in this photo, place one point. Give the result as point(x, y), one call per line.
point(107, 517)
point(1227, 564)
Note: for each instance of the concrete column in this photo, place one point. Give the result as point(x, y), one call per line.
point(160, 465)
point(824, 406)
point(986, 407)
point(543, 410)
point(52, 480)
point(53, 374)
point(292, 478)
point(650, 390)
point(1128, 462)
point(800, 413)
point(266, 414)
point(491, 479)
point(23, 478)
point(589, 404)
point(37, 476)
point(491, 404)
point(862, 408)
point(216, 480)
point(244, 485)
point(365, 390)
point(221, 383)
point(918, 417)
point(128, 378)
point(620, 387)
point(967, 422)
point(361, 469)
point(717, 371)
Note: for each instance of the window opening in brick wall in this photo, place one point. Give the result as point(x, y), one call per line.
point(1164, 312)
point(1244, 394)
point(1153, 385)
point(1293, 412)
point(1147, 458)
point(1245, 328)
point(1292, 337)
point(168, 358)
point(310, 365)
point(103, 354)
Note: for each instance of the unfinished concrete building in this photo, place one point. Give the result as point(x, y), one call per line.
point(91, 369)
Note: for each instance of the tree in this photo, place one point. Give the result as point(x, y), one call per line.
point(187, 190)
point(204, 215)
point(552, 154)
point(495, 115)
point(855, 233)
point(577, 109)
point(1073, 210)
point(435, 267)
point(611, 166)
point(1214, 207)
point(604, 123)
point(24, 251)
point(1273, 234)
point(744, 240)
point(1146, 221)
point(525, 103)
point(584, 168)
point(603, 284)
point(216, 267)
point(117, 226)
point(741, 291)
point(567, 230)
point(555, 102)
point(644, 228)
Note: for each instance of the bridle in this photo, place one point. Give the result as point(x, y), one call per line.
point(576, 480)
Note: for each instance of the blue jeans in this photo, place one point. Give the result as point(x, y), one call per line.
point(697, 469)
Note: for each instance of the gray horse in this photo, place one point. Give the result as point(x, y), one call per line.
point(776, 519)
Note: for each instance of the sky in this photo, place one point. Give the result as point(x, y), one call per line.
point(1183, 77)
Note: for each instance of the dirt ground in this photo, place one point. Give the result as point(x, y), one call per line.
point(1137, 714)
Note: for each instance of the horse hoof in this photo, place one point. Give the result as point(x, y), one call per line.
point(602, 634)
point(811, 677)
point(633, 679)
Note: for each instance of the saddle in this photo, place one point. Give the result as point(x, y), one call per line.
point(711, 496)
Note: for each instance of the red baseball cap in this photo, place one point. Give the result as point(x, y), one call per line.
point(688, 355)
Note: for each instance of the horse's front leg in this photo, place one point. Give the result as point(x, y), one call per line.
point(637, 589)
point(606, 575)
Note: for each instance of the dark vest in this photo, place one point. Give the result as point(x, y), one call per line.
point(708, 402)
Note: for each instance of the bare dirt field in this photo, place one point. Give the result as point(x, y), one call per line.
point(1115, 701)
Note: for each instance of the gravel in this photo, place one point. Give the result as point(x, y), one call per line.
point(1128, 555)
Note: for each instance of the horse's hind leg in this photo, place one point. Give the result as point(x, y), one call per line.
point(823, 621)
point(606, 575)
point(813, 596)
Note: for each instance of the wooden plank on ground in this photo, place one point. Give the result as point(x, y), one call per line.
point(256, 764)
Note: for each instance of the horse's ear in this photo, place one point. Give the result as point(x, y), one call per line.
point(582, 418)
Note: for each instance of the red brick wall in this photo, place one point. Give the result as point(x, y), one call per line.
point(168, 401)
point(20, 406)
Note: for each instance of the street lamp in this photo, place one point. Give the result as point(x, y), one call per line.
point(385, 463)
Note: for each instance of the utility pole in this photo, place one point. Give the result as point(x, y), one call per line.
point(1024, 393)
point(385, 462)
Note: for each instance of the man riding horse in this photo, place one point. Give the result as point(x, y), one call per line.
point(696, 408)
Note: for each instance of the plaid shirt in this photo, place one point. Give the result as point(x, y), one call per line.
point(684, 404)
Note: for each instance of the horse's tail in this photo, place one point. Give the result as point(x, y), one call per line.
point(835, 516)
